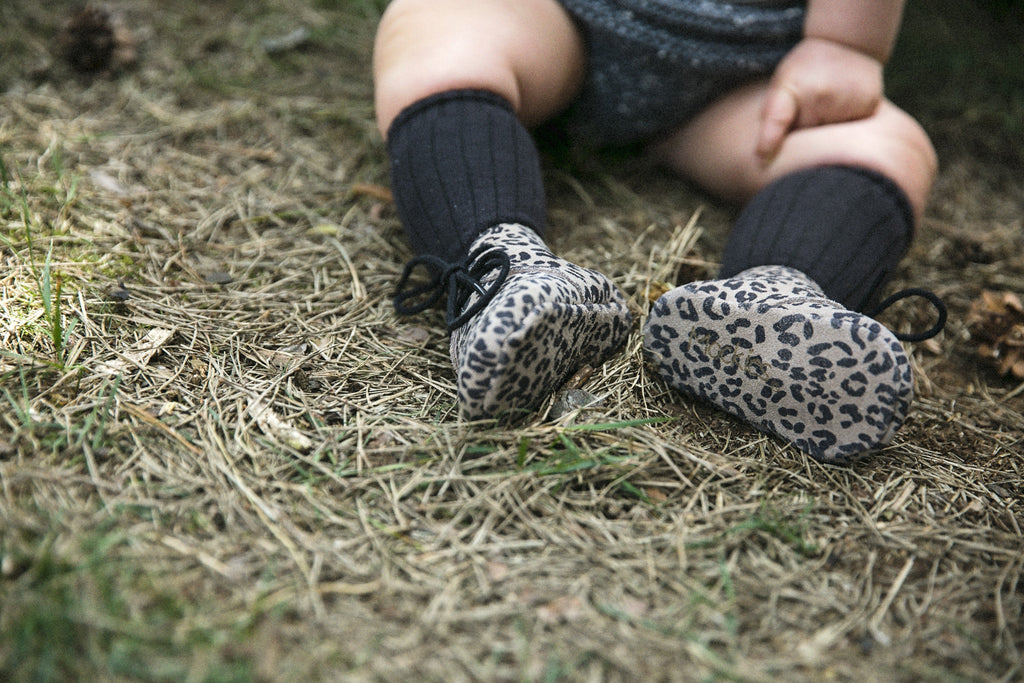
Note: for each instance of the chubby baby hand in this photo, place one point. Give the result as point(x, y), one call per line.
point(818, 82)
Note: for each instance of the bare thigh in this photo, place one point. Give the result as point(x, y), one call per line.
point(717, 148)
point(527, 51)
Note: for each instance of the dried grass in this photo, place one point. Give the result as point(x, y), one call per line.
point(247, 467)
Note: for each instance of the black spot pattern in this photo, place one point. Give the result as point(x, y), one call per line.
point(768, 347)
point(549, 318)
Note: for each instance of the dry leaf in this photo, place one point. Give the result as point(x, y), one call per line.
point(580, 378)
point(571, 400)
point(276, 428)
point(656, 289)
point(150, 344)
point(413, 335)
point(141, 354)
point(996, 323)
point(168, 408)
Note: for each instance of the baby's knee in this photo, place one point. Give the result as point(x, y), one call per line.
point(891, 142)
point(424, 47)
point(910, 143)
point(526, 51)
point(905, 154)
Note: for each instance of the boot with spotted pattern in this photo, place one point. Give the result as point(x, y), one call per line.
point(769, 347)
point(522, 320)
point(549, 318)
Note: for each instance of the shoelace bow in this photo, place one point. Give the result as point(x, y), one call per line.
point(932, 298)
point(459, 280)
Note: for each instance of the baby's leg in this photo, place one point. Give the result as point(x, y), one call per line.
point(717, 149)
point(527, 51)
point(834, 211)
point(455, 81)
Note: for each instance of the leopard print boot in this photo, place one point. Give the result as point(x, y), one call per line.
point(547, 319)
point(770, 348)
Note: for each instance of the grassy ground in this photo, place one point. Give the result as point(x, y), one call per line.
point(222, 457)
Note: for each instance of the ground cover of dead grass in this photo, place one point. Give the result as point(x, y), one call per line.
point(222, 456)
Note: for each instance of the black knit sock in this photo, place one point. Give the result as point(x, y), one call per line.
point(461, 162)
point(846, 228)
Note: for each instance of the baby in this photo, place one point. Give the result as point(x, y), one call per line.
point(774, 104)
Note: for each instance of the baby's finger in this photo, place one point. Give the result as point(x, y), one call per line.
point(777, 118)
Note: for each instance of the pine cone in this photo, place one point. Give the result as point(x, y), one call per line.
point(996, 323)
point(94, 41)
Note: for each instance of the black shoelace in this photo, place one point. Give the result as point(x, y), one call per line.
point(460, 281)
point(932, 298)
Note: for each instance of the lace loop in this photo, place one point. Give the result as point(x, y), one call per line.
point(932, 298)
point(459, 280)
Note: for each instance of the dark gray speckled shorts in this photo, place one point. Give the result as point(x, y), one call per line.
point(653, 64)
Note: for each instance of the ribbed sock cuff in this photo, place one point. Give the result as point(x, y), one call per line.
point(845, 227)
point(462, 162)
